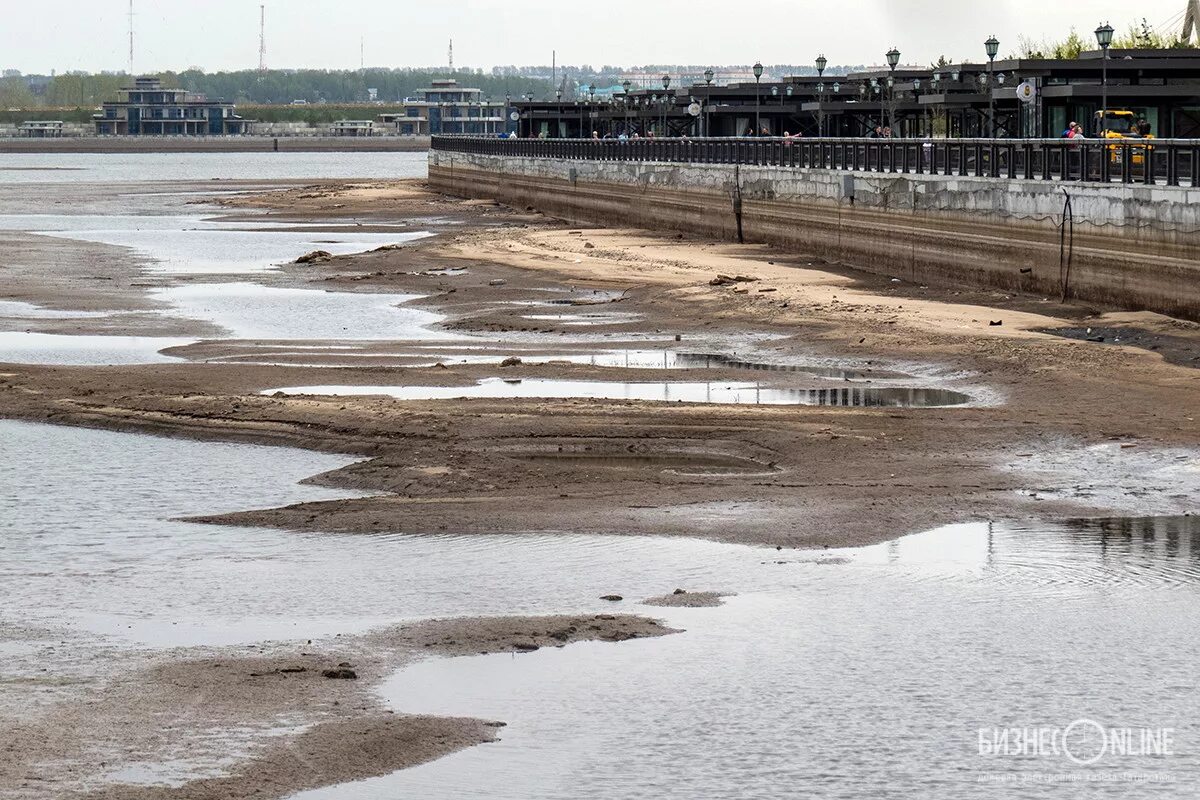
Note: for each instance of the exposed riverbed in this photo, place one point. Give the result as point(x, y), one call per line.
point(481, 421)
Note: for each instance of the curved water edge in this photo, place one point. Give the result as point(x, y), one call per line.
point(817, 649)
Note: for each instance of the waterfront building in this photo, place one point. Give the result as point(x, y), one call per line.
point(1014, 98)
point(447, 108)
point(42, 129)
point(353, 127)
point(149, 109)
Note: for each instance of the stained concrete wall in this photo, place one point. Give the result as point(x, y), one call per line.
point(1134, 246)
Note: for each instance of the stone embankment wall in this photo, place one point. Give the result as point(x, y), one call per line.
point(216, 144)
point(1134, 247)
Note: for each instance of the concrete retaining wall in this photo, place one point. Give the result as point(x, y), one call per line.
point(1134, 247)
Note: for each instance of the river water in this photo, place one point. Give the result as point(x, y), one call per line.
point(857, 673)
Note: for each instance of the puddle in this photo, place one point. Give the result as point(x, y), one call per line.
point(19, 347)
point(192, 245)
point(251, 311)
point(864, 676)
point(604, 318)
point(672, 392)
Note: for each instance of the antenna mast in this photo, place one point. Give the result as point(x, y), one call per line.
point(131, 38)
point(262, 38)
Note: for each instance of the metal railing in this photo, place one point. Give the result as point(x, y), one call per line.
point(1166, 162)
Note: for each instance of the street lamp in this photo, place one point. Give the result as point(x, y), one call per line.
point(893, 60)
point(1104, 37)
point(758, 71)
point(992, 46)
point(708, 79)
point(821, 62)
point(626, 85)
point(558, 122)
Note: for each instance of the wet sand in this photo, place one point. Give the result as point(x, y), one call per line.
point(339, 729)
point(1057, 423)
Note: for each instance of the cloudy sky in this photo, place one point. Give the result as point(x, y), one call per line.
point(223, 34)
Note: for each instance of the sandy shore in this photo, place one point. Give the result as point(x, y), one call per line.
point(1057, 427)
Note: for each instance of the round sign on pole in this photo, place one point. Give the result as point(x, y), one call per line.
point(1026, 92)
point(515, 116)
point(694, 109)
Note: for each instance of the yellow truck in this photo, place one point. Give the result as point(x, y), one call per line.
point(1121, 124)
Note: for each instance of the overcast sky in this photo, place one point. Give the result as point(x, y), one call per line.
point(223, 34)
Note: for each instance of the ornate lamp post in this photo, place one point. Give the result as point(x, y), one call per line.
point(666, 84)
point(893, 60)
point(822, 62)
point(708, 79)
point(626, 85)
point(1104, 37)
point(992, 46)
point(758, 71)
point(558, 122)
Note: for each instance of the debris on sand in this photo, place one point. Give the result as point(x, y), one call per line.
point(612, 598)
point(340, 674)
point(512, 361)
point(315, 257)
point(726, 280)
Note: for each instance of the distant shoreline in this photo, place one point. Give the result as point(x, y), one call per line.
point(230, 144)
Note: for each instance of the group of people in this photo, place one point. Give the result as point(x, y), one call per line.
point(1137, 128)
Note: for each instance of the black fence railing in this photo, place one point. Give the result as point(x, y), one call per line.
point(1168, 162)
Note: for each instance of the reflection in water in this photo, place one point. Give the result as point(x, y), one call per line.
point(681, 392)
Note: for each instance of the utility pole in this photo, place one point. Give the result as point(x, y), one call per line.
point(262, 38)
point(131, 38)
point(451, 55)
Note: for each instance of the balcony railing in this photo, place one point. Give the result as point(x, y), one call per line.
point(1166, 162)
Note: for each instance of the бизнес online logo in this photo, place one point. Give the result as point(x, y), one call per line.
point(1083, 742)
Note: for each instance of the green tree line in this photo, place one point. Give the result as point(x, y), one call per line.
point(274, 87)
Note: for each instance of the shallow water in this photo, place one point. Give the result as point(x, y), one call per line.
point(20, 347)
point(667, 391)
point(195, 245)
point(252, 311)
point(850, 674)
point(855, 673)
point(124, 168)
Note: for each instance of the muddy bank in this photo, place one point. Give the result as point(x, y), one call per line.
point(1037, 441)
point(268, 720)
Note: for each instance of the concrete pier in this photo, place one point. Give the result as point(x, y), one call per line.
point(1129, 246)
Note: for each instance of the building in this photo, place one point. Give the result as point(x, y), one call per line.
point(353, 127)
point(149, 109)
point(42, 129)
point(956, 100)
point(447, 108)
